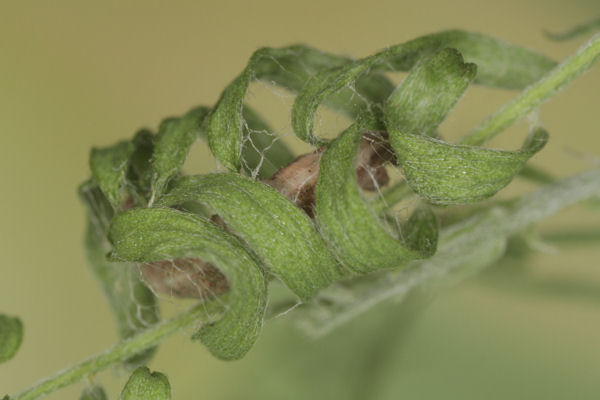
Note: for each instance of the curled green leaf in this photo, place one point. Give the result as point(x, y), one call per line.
point(351, 227)
point(146, 385)
point(441, 172)
point(424, 98)
point(289, 67)
point(139, 174)
point(446, 173)
point(465, 247)
point(157, 234)
point(499, 65)
point(172, 145)
point(131, 302)
point(108, 166)
point(281, 234)
point(93, 393)
point(11, 336)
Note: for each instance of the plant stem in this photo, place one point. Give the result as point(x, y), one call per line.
point(465, 248)
point(200, 314)
point(536, 94)
point(526, 102)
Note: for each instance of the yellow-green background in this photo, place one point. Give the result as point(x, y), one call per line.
point(74, 74)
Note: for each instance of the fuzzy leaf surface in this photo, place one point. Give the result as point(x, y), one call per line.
point(157, 234)
point(441, 172)
point(289, 67)
point(445, 173)
point(499, 65)
point(348, 224)
point(172, 145)
point(108, 166)
point(11, 336)
point(424, 98)
point(280, 233)
point(146, 385)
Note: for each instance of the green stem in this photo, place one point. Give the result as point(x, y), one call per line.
point(200, 314)
point(526, 102)
point(464, 249)
point(536, 94)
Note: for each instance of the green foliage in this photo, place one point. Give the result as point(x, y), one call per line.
point(438, 171)
point(498, 64)
point(172, 144)
point(155, 234)
point(474, 242)
point(108, 166)
point(424, 98)
point(278, 232)
point(456, 174)
point(93, 393)
point(348, 224)
point(146, 385)
point(141, 209)
point(534, 95)
point(11, 336)
point(289, 67)
point(348, 237)
point(139, 174)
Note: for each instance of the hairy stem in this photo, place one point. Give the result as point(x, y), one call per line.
point(536, 94)
point(198, 315)
point(465, 248)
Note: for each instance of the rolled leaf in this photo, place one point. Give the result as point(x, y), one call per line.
point(445, 173)
point(441, 172)
point(351, 227)
point(156, 234)
point(499, 65)
point(11, 336)
point(465, 247)
point(280, 233)
point(144, 385)
point(289, 67)
point(139, 174)
point(424, 98)
point(172, 145)
point(108, 166)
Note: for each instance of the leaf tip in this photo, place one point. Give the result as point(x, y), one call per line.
point(11, 336)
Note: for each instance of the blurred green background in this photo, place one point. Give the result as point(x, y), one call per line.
point(79, 74)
